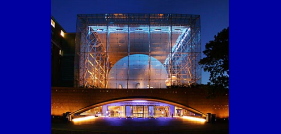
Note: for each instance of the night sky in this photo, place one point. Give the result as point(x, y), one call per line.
point(214, 13)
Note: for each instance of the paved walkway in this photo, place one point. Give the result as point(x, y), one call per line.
point(105, 125)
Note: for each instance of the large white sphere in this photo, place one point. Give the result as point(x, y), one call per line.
point(138, 70)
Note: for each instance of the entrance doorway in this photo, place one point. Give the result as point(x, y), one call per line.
point(140, 111)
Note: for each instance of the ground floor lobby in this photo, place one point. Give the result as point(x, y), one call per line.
point(138, 109)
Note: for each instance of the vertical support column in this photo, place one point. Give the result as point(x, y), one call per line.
point(170, 41)
point(100, 84)
point(104, 68)
point(86, 58)
point(95, 59)
point(84, 61)
point(142, 111)
point(149, 43)
point(190, 53)
point(197, 47)
point(193, 79)
point(82, 43)
point(181, 76)
point(107, 56)
point(199, 43)
point(128, 71)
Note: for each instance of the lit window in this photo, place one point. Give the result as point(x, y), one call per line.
point(53, 23)
point(62, 33)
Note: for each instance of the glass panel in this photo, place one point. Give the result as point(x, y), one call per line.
point(115, 111)
point(146, 112)
point(138, 111)
point(129, 111)
point(151, 111)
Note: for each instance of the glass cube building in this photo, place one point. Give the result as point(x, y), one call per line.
point(137, 50)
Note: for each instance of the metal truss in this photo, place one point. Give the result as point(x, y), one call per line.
point(92, 60)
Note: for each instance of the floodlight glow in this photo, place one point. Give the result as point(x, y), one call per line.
point(194, 118)
point(83, 118)
point(139, 101)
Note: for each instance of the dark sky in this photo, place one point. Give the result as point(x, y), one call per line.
point(214, 13)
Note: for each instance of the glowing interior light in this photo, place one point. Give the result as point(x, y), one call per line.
point(99, 29)
point(53, 23)
point(139, 101)
point(194, 118)
point(83, 118)
point(62, 33)
point(157, 29)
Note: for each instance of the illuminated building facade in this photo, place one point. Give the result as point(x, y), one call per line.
point(139, 109)
point(132, 51)
point(141, 54)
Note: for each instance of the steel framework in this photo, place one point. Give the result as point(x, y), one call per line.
point(103, 39)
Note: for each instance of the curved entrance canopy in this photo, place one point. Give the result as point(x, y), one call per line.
point(139, 107)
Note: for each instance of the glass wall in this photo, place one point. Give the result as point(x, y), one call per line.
point(139, 109)
point(137, 50)
point(116, 111)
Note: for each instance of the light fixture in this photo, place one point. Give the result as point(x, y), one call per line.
point(194, 118)
point(139, 101)
point(157, 30)
point(83, 118)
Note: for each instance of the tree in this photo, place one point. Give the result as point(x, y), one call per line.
point(217, 60)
